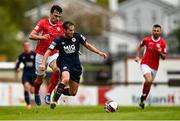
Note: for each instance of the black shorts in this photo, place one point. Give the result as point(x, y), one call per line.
point(28, 78)
point(74, 70)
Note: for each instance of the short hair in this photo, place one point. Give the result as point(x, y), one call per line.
point(57, 8)
point(157, 26)
point(67, 24)
point(25, 41)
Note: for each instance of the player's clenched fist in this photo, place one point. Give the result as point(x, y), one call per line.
point(137, 59)
point(46, 37)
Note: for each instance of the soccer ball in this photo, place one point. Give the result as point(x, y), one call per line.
point(111, 106)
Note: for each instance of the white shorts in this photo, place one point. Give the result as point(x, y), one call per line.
point(146, 69)
point(39, 62)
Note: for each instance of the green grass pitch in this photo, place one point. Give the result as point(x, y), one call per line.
point(89, 113)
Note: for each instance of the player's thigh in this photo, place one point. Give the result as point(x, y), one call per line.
point(148, 77)
point(32, 89)
point(73, 87)
point(147, 73)
point(52, 62)
point(53, 66)
point(27, 86)
point(65, 77)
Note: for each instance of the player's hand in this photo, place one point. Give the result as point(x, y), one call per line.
point(80, 53)
point(137, 59)
point(104, 55)
point(46, 37)
point(42, 67)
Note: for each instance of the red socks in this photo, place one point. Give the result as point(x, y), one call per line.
point(54, 80)
point(146, 89)
point(37, 86)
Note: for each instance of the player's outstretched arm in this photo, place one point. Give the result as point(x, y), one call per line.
point(138, 51)
point(46, 55)
point(34, 36)
point(95, 50)
point(17, 69)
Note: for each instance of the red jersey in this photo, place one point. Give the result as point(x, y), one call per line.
point(44, 26)
point(151, 56)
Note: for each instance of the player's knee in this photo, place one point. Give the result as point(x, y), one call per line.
point(26, 88)
point(73, 93)
point(150, 81)
point(32, 90)
point(65, 80)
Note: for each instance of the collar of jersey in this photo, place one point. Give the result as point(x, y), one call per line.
point(51, 22)
point(154, 39)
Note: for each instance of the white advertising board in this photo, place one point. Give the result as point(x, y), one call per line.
point(134, 73)
point(159, 95)
point(12, 94)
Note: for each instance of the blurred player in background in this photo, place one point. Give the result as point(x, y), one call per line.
point(27, 57)
point(155, 48)
point(45, 32)
point(68, 61)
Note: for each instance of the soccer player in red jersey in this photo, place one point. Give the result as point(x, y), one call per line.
point(45, 32)
point(155, 48)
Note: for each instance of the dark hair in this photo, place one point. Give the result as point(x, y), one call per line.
point(67, 24)
point(57, 8)
point(157, 26)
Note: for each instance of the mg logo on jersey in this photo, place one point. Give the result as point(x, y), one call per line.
point(69, 48)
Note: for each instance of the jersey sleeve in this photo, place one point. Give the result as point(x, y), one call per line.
point(143, 42)
point(164, 48)
point(82, 39)
point(18, 62)
point(39, 27)
point(54, 44)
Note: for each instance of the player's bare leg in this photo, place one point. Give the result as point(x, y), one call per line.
point(71, 91)
point(27, 88)
point(32, 89)
point(73, 87)
point(60, 89)
point(146, 89)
